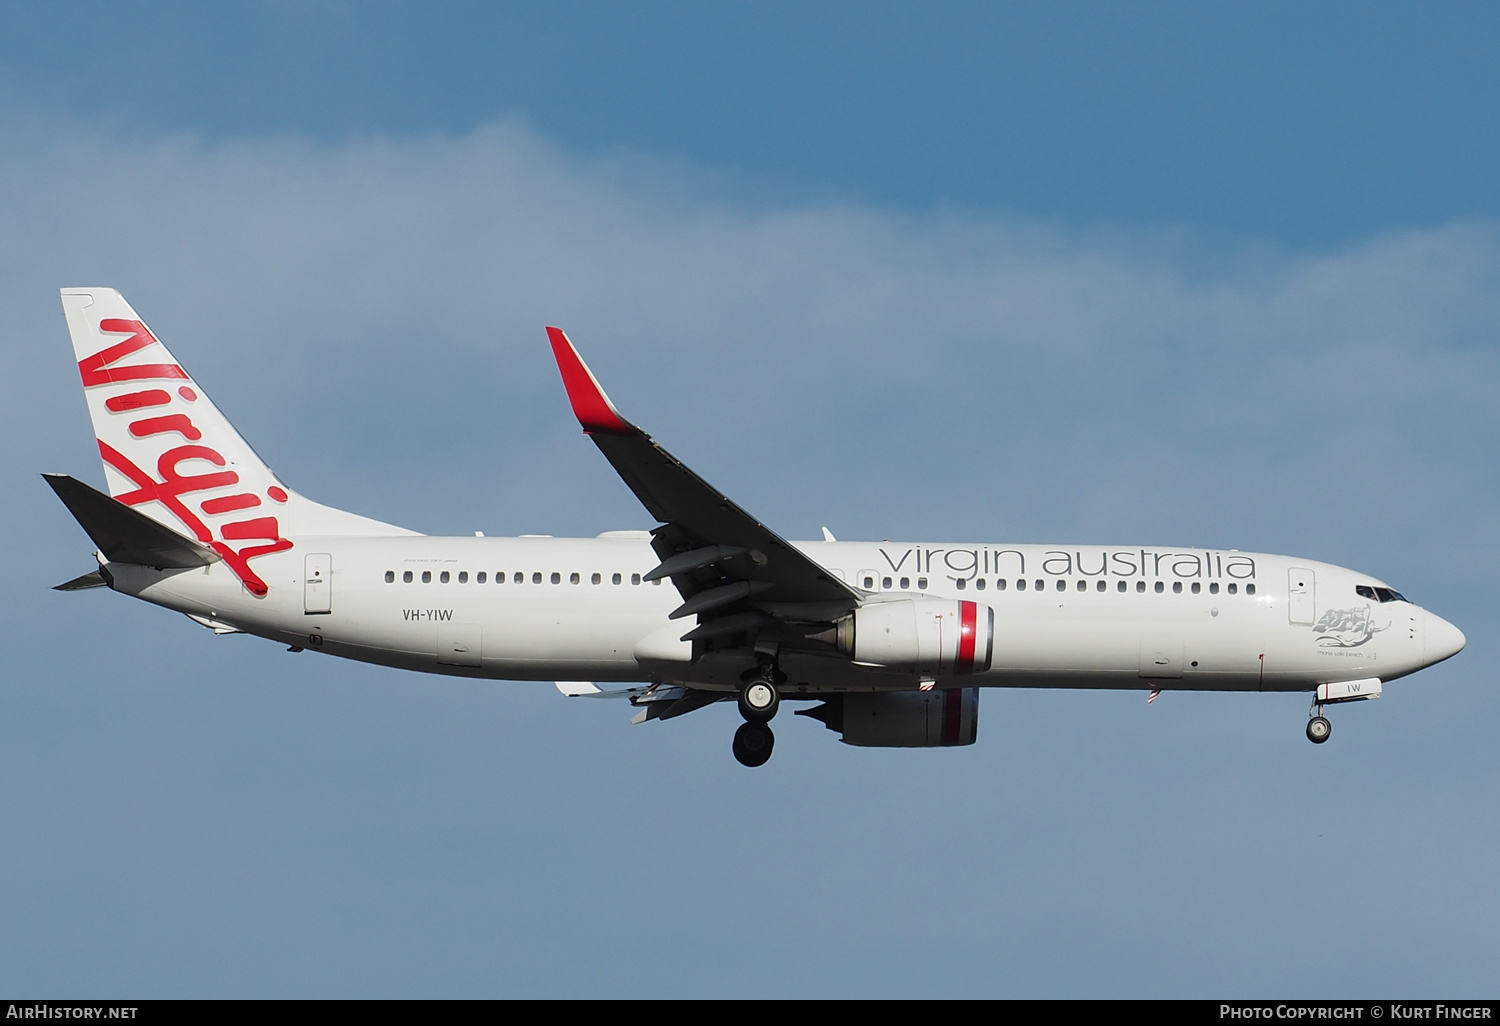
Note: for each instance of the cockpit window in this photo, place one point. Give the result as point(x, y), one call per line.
point(1378, 594)
point(1364, 591)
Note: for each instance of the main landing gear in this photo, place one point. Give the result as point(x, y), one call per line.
point(1318, 728)
point(759, 700)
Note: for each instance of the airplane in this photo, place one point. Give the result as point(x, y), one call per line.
point(893, 642)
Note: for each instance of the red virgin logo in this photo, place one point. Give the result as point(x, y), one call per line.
point(173, 489)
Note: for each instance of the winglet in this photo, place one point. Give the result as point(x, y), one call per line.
point(590, 405)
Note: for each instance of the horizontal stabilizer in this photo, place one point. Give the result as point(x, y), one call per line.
point(91, 580)
point(125, 535)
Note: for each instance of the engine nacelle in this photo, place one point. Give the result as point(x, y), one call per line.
point(930, 635)
point(902, 719)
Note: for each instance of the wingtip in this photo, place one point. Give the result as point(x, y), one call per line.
point(590, 405)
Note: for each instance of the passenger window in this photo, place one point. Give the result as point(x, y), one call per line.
point(1140, 586)
point(656, 583)
point(390, 577)
point(905, 583)
point(1039, 585)
point(1021, 585)
point(573, 577)
point(1233, 588)
point(999, 583)
point(463, 577)
point(1062, 585)
point(1213, 589)
point(869, 584)
point(614, 579)
point(1160, 587)
point(1101, 585)
point(1176, 587)
point(960, 584)
point(1249, 589)
point(1083, 585)
point(426, 576)
point(635, 578)
point(406, 577)
point(1120, 587)
point(979, 583)
point(480, 577)
point(922, 583)
point(556, 577)
point(595, 579)
point(536, 578)
point(1197, 587)
point(885, 582)
point(443, 577)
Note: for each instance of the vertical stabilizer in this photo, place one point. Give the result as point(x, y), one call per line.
point(169, 453)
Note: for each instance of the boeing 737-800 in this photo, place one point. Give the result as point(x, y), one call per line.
point(892, 641)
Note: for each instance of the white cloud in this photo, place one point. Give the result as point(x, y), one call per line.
point(370, 314)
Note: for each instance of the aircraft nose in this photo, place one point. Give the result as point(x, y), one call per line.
point(1440, 640)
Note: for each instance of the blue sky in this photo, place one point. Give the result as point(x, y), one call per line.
point(1166, 274)
point(1300, 124)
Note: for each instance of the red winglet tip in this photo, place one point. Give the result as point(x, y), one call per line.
point(590, 405)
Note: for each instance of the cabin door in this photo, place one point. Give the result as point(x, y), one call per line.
point(317, 583)
point(1301, 587)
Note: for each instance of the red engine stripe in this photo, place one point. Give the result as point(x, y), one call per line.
point(968, 613)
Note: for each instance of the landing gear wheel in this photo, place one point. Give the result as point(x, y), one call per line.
point(1318, 730)
point(759, 701)
point(753, 743)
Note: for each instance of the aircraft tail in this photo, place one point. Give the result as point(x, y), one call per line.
point(169, 453)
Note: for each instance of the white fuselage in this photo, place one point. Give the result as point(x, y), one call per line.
point(576, 609)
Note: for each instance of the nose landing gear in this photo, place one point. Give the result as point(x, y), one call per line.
point(1336, 693)
point(1318, 727)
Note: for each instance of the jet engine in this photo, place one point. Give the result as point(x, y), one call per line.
point(929, 635)
point(901, 719)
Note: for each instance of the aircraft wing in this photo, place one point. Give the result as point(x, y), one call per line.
point(732, 571)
